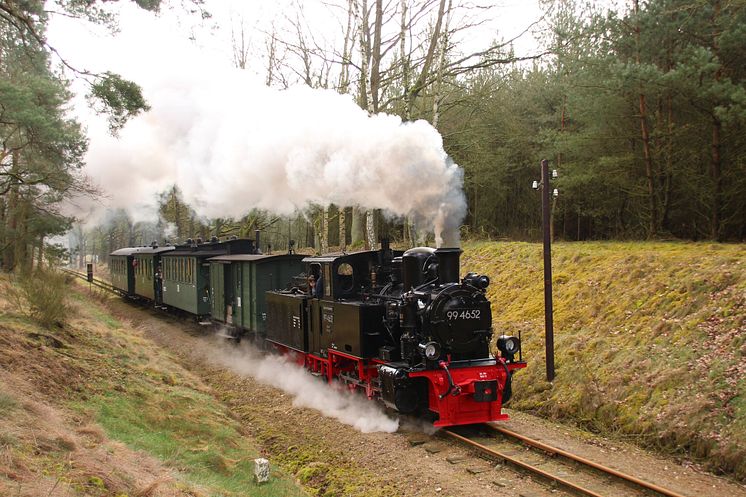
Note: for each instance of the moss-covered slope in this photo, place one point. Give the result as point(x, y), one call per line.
point(650, 339)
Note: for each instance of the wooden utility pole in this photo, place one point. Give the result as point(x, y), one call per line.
point(548, 311)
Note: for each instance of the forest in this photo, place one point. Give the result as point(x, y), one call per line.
point(640, 108)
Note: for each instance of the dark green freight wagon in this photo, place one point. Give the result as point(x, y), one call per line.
point(186, 273)
point(239, 285)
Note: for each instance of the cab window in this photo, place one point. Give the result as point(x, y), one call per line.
point(345, 277)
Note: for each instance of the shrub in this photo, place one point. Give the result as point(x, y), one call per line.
point(45, 296)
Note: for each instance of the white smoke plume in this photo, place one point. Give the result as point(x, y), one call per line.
point(283, 151)
point(232, 144)
point(306, 390)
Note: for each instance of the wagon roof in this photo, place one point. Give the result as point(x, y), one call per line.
point(333, 256)
point(252, 257)
point(198, 252)
point(142, 250)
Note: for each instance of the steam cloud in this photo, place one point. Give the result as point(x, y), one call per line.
point(282, 151)
point(307, 391)
point(232, 144)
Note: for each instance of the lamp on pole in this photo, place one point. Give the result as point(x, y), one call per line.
point(543, 185)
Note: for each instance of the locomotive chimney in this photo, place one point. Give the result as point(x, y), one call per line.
point(257, 240)
point(448, 265)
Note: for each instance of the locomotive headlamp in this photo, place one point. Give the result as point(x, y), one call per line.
point(431, 350)
point(477, 281)
point(508, 346)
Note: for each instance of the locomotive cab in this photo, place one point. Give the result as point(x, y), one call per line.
point(343, 319)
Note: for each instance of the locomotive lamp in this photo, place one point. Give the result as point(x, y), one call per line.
point(477, 281)
point(430, 350)
point(508, 346)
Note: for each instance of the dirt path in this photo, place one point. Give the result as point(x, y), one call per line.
point(335, 459)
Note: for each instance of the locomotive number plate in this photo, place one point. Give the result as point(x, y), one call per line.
point(462, 314)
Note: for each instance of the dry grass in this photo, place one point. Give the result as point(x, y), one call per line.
point(650, 340)
point(57, 387)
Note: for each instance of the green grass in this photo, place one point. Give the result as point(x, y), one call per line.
point(140, 396)
point(7, 404)
point(110, 321)
point(649, 339)
point(190, 432)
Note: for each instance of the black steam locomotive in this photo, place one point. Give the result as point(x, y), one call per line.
point(399, 326)
point(402, 327)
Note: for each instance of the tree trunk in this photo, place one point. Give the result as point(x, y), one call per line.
point(370, 230)
point(342, 228)
point(344, 77)
point(420, 83)
point(375, 66)
point(716, 159)
point(358, 225)
point(364, 88)
point(3, 237)
point(438, 84)
point(11, 235)
point(668, 173)
point(405, 62)
point(645, 132)
point(271, 58)
point(41, 252)
point(324, 230)
point(717, 179)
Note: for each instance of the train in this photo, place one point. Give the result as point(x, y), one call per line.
point(400, 327)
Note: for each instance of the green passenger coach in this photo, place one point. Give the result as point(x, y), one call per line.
point(122, 271)
point(239, 284)
point(186, 273)
point(146, 263)
point(133, 270)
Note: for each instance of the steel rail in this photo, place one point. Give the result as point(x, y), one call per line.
point(524, 465)
point(586, 462)
point(97, 282)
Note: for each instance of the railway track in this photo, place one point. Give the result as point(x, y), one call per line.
point(578, 475)
point(97, 282)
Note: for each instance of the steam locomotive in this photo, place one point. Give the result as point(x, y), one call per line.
point(401, 327)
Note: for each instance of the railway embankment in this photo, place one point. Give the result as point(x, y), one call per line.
point(650, 340)
point(89, 406)
point(116, 398)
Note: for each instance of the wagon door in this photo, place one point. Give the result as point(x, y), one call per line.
point(217, 291)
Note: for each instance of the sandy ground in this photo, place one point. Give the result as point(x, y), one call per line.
point(407, 462)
